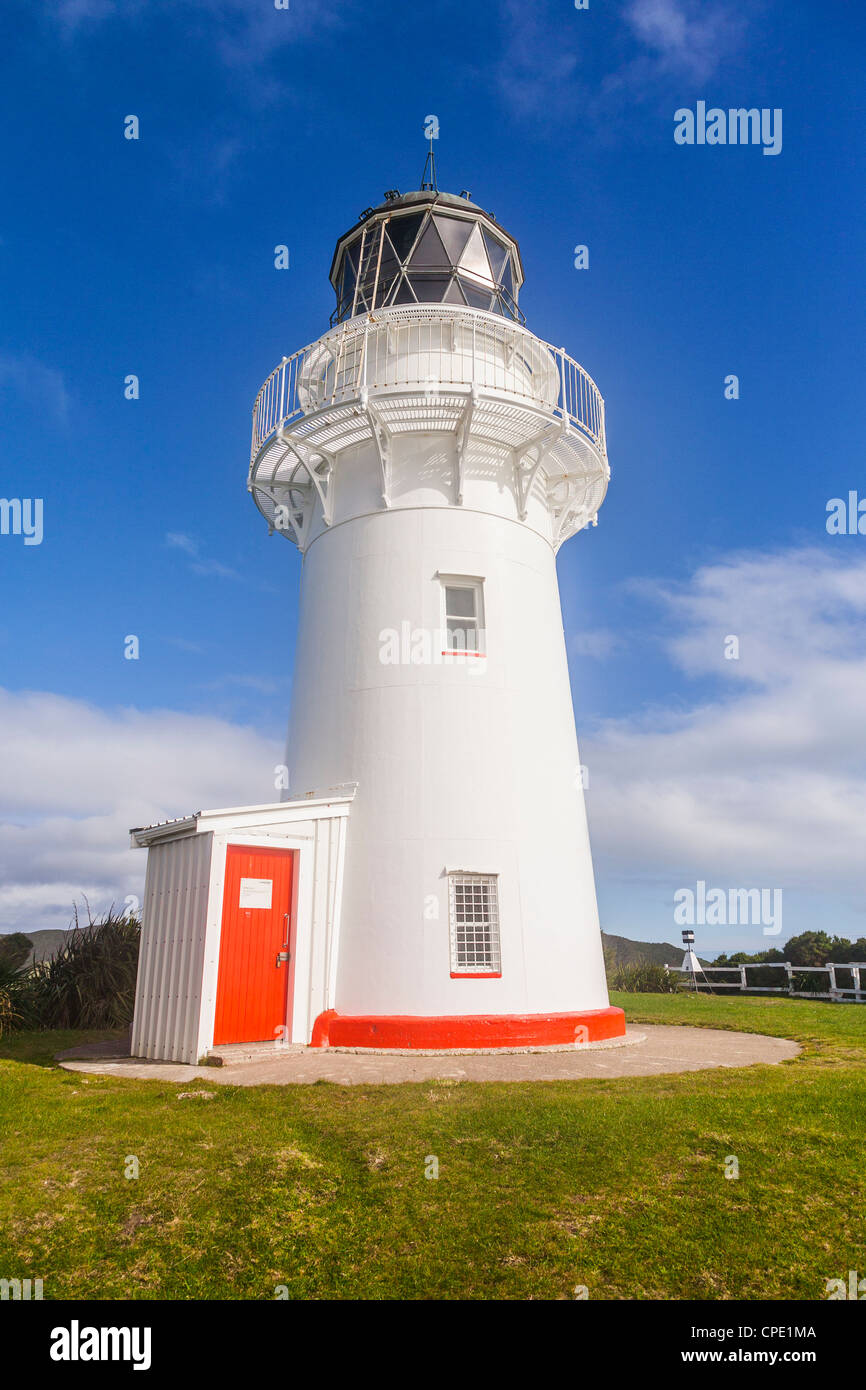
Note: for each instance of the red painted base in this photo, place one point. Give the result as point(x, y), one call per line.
point(467, 1030)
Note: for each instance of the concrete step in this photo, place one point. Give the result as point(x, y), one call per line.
point(230, 1053)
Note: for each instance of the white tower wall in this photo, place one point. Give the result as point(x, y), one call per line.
point(460, 763)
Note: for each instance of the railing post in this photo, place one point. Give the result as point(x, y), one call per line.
point(361, 384)
point(743, 977)
point(790, 974)
point(855, 980)
point(474, 353)
point(831, 971)
point(282, 413)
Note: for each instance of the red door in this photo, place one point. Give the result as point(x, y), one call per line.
point(254, 967)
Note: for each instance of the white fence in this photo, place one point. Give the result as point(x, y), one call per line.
point(425, 349)
point(835, 991)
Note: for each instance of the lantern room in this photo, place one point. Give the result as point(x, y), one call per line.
point(426, 248)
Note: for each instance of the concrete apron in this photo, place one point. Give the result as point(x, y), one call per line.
point(654, 1050)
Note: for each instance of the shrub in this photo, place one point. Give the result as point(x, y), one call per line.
point(16, 1010)
point(642, 979)
point(89, 982)
point(15, 948)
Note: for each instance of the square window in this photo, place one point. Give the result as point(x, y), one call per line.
point(474, 915)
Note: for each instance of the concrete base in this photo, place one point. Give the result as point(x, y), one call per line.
point(466, 1032)
point(655, 1050)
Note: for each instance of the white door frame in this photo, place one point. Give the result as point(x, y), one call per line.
point(301, 910)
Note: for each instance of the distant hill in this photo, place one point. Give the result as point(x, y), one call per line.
point(45, 943)
point(625, 952)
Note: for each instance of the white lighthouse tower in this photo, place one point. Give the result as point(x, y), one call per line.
point(428, 456)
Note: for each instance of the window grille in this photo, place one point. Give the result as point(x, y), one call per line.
point(474, 913)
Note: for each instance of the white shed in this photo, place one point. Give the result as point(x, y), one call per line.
point(240, 925)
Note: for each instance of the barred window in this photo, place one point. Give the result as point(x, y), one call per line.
point(474, 913)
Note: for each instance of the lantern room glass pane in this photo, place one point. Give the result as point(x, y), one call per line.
point(476, 297)
point(348, 286)
point(385, 291)
point(496, 253)
point(474, 259)
point(352, 254)
point(430, 289)
point(403, 231)
point(455, 232)
point(389, 269)
point(404, 294)
point(430, 254)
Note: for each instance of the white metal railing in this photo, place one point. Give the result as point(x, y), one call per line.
point(427, 348)
point(835, 991)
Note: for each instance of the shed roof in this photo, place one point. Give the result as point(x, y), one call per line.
point(315, 806)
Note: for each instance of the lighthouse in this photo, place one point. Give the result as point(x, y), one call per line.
point(427, 883)
point(428, 455)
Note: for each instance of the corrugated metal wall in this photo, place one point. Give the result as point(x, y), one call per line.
point(174, 919)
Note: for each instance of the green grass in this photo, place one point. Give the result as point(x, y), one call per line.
point(617, 1185)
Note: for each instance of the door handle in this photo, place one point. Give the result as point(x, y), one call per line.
point(283, 958)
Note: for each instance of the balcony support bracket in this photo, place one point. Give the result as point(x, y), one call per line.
point(528, 459)
point(320, 467)
point(464, 427)
point(382, 440)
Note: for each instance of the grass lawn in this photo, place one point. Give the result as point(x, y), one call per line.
point(617, 1185)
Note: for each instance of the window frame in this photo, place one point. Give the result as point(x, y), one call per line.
point(475, 585)
point(472, 970)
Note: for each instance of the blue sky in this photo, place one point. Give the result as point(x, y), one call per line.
point(155, 257)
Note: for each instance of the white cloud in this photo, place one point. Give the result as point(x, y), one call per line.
point(262, 685)
point(199, 564)
point(41, 388)
point(689, 37)
point(539, 59)
point(764, 783)
point(77, 777)
point(553, 63)
point(245, 32)
point(595, 642)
